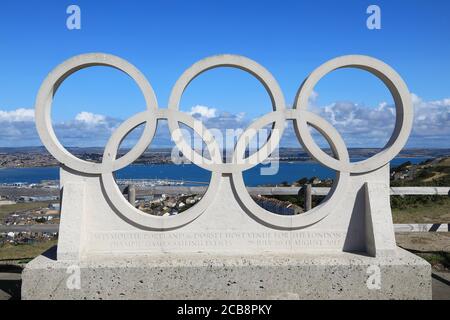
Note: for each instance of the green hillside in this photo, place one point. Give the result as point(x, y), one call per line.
point(421, 209)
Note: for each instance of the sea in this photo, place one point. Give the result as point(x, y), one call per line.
point(191, 174)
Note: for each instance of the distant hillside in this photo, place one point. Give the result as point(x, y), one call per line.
point(433, 172)
point(284, 152)
point(74, 150)
point(368, 152)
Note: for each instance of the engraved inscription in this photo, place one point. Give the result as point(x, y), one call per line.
point(197, 241)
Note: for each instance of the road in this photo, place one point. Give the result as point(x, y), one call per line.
point(51, 228)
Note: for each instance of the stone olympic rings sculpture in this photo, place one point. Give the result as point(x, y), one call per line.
point(299, 114)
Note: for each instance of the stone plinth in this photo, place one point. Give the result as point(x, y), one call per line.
point(208, 276)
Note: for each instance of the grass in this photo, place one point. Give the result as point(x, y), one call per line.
point(410, 209)
point(18, 207)
point(429, 212)
point(25, 251)
point(440, 260)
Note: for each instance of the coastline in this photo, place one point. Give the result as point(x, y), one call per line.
point(284, 172)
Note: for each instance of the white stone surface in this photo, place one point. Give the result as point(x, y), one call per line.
point(71, 227)
point(380, 236)
point(225, 226)
point(226, 238)
point(207, 276)
point(298, 114)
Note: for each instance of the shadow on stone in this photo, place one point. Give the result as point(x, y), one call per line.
point(10, 282)
point(51, 253)
point(354, 241)
point(11, 288)
point(10, 268)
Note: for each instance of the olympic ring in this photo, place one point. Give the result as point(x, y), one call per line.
point(45, 98)
point(298, 114)
point(245, 64)
point(403, 106)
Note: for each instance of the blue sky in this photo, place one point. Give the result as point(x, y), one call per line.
point(163, 38)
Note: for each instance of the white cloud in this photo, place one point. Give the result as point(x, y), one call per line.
point(87, 129)
point(203, 112)
point(363, 126)
point(360, 126)
point(90, 118)
point(17, 115)
point(432, 122)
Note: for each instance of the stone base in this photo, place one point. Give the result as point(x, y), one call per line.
point(204, 276)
